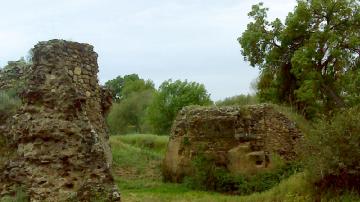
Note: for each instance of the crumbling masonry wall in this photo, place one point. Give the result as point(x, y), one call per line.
point(244, 140)
point(59, 135)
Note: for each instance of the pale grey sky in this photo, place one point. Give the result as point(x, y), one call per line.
point(157, 39)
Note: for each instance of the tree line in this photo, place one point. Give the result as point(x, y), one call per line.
point(140, 108)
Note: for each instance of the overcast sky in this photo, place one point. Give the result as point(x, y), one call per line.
point(157, 39)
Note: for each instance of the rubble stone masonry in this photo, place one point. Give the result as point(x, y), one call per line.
point(58, 147)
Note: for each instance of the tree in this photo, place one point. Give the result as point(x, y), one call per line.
point(132, 95)
point(115, 86)
point(128, 116)
point(121, 87)
point(172, 97)
point(304, 61)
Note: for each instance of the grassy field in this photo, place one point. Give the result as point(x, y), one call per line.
point(137, 170)
point(137, 160)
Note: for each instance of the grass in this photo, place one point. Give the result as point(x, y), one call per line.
point(20, 196)
point(137, 170)
point(292, 189)
point(147, 141)
point(140, 158)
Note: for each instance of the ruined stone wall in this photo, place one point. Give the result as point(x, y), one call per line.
point(13, 74)
point(241, 139)
point(59, 134)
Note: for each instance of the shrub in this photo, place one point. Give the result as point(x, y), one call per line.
point(208, 176)
point(334, 146)
point(127, 116)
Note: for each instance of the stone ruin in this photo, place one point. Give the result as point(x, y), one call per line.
point(244, 140)
point(14, 72)
point(56, 146)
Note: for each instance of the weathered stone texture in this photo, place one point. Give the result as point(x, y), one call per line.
point(13, 74)
point(241, 139)
point(59, 134)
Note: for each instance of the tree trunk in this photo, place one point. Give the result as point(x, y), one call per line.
point(327, 90)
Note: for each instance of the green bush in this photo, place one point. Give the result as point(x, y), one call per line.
point(127, 116)
point(171, 97)
point(122, 87)
point(334, 146)
point(208, 176)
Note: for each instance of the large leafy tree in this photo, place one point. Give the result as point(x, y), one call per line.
point(122, 87)
point(128, 116)
point(308, 60)
point(172, 97)
point(132, 95)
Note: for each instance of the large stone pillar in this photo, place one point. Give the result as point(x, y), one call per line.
point(59, 135)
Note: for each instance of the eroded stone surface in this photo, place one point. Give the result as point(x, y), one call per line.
point(13, 74)
point(241, 139)
point(59, 137)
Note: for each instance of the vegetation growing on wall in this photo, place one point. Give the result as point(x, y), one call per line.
point(238, 100)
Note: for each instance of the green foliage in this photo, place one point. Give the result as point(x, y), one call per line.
point(293, 189)
point(334, 146)
point(351, 84)
point(208, 176)
point(137, 151)
point(150, 188)
point(20, 196)
point(128, 116)
point(132, 95)
point(171, 98)
point(307, 61)
point(238, 100)
point(122, 87)
point(115, 86)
